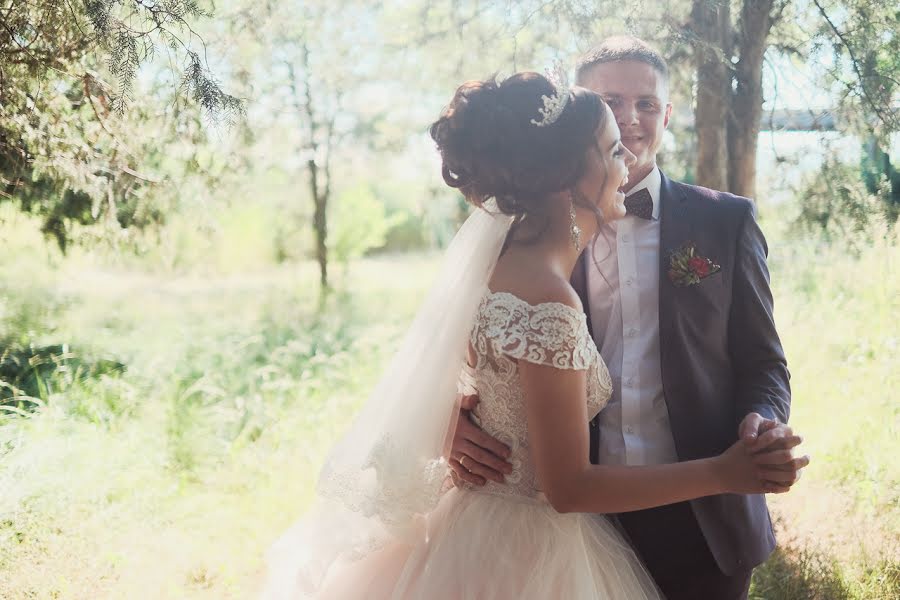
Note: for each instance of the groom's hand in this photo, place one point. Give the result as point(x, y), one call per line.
point(773, 447)
point(758, 432)
point(752, 426)
point(475, 456)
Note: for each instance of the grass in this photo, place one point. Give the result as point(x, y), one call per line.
point(839, 528)
point(170, 479)
point(810, 575)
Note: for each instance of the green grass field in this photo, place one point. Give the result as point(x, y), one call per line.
point(170, 479)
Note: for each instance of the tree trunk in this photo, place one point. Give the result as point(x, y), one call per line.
point(320, 224)
point(711, 24)
point(747, 100)
point(320, 195)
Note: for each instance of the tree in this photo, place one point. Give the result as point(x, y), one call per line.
point(61, 156)
point(743, 123)
point(729, 60)
point(317, 141)
point(724, 44)
point(319, 83)
point(711, 24)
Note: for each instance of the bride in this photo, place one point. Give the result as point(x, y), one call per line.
point(543, 166)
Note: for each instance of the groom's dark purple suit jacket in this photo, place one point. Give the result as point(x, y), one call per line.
point(721, 356)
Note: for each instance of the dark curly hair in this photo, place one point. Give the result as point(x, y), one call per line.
point(490, 148)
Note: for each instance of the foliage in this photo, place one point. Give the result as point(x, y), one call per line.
point(810, 575)
point(807, 576)
point(206, 448)
point(863, 37)
point(40, 39)
point(74, 147)
point(30, 373)
point(67, 149)
point(837, 204)
point(360, 224)
point(233, 383)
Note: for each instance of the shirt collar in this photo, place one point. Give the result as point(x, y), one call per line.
point(653, 183)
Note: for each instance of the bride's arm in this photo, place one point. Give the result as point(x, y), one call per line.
point(557, 412)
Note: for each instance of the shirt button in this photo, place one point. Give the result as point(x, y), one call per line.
point(629, 382)
point(629, 429)
point(626, 238)
point(632, 332)
point(629, 281)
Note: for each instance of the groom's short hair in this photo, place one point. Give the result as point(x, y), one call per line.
point(619, 48)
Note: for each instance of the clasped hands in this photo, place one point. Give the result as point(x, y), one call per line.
point(476, 457)
point(773, 447)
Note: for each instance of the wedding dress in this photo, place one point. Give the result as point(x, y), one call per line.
point(499, 541)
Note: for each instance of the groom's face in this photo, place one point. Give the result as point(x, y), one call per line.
point(639, 98)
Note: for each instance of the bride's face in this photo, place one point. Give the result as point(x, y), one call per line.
point(607, 170)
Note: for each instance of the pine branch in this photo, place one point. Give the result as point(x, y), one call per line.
point(885, 118)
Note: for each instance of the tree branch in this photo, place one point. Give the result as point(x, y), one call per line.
point(855, 63)
point(86, 80)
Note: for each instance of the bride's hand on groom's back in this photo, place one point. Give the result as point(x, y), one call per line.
point(475, 456)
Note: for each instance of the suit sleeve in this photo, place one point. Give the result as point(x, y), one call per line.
point(761, 374)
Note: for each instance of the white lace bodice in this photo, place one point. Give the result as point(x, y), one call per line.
point(507, 329)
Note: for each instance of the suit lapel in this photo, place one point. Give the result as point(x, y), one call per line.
point(676, 222)
point(676, 227)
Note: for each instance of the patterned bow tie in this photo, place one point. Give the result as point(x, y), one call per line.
point(640, 204)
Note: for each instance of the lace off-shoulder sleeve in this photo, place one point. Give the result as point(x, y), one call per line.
point(550, 334)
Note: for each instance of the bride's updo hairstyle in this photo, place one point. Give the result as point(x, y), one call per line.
point(491, 149)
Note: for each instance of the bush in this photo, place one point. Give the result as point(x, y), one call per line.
point(32, 372)
point(361, 224)
point(838, 205)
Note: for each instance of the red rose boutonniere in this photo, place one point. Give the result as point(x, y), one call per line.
point(686, 267)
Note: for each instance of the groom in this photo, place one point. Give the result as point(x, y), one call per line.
point(677, 296)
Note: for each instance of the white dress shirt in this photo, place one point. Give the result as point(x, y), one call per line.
point(623, 291)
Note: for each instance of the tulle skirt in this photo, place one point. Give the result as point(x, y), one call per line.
point(479, 546)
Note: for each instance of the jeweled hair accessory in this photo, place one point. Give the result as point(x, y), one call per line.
point(554, 105)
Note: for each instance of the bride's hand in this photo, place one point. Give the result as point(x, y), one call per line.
point(741, 473)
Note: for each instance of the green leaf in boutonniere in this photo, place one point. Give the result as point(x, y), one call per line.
point(686, 267)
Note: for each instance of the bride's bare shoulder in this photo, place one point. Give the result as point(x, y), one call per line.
point(533, 282)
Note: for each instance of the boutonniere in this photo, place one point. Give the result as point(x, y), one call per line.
point(686, 267)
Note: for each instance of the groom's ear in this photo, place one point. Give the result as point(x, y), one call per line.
point(667, 115)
